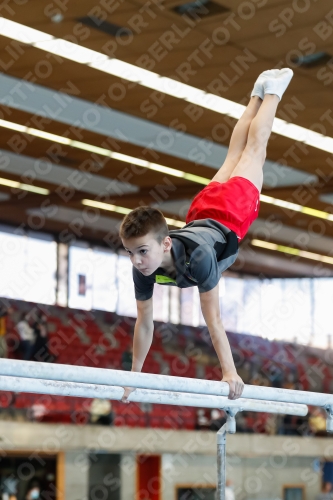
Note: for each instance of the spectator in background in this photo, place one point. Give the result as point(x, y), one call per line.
point(293, 426)
point(265, 380)
point(4, 312)
point(33, 491)
point(217, 419)
point(101, 412)
point(326, 492)
point(26, 336)
point(260, 424)
point(244, 371)
point(240, 422)
point(250, 421)
point(302, 426)
point(317, 422)
point(126, 359)
point(256, 379)
point(40, 350)
point(289, 382)
point(9, 487)
point(37, 412)
point(275, 374)
point(288, 427)
point(229, 490)
point(271, 424)
point(146, 409)
point(202, 420)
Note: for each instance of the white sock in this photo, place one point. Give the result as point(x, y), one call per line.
point(278, 84)
point(258, 88)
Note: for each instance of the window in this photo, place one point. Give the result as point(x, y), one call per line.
point(190, 306)
point(28, 267)
point(92, 278)
point(231, 300)
point(272, 308)
point(195, 492)
point(322, 315)
point(41, 268)
point(161, 303)
point(62, 291)
point(104, 286)
point(249, 320)
point(126, 298)
point(80, 262)
point(293, 492)
point(296, 313)
point(174, 305)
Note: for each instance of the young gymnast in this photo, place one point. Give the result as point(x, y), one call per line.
point(219, 216)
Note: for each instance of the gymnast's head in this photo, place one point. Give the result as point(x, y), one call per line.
point(145, 236)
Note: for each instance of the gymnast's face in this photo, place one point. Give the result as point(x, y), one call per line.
point(146, 253)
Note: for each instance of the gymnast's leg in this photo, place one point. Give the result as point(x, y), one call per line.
point(248, 143)
point(238, 140)
point(253, 157)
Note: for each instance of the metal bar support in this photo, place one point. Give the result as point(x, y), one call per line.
point(221, 438)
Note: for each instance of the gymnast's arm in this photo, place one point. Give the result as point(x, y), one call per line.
point(143, 333)
point(211, 312)
point(143, 336)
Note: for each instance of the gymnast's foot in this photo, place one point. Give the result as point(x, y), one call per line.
point(258, 88)
point(277, 82)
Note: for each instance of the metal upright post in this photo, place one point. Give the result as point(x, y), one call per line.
point(221, 459)
point(221, 438)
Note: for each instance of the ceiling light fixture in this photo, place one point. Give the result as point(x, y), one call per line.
point(159, 168)
point(313, 212)
point(22, 33)
point(103, 152)
point(292, 251)
point(124, 211)
point(24, 187)
point(130, 72)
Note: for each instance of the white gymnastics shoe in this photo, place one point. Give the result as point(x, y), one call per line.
point(258, 88)
point(276, 84)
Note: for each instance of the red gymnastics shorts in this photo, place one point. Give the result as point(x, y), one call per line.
point(234, 203)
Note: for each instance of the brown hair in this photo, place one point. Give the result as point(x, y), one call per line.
point(142, 221)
